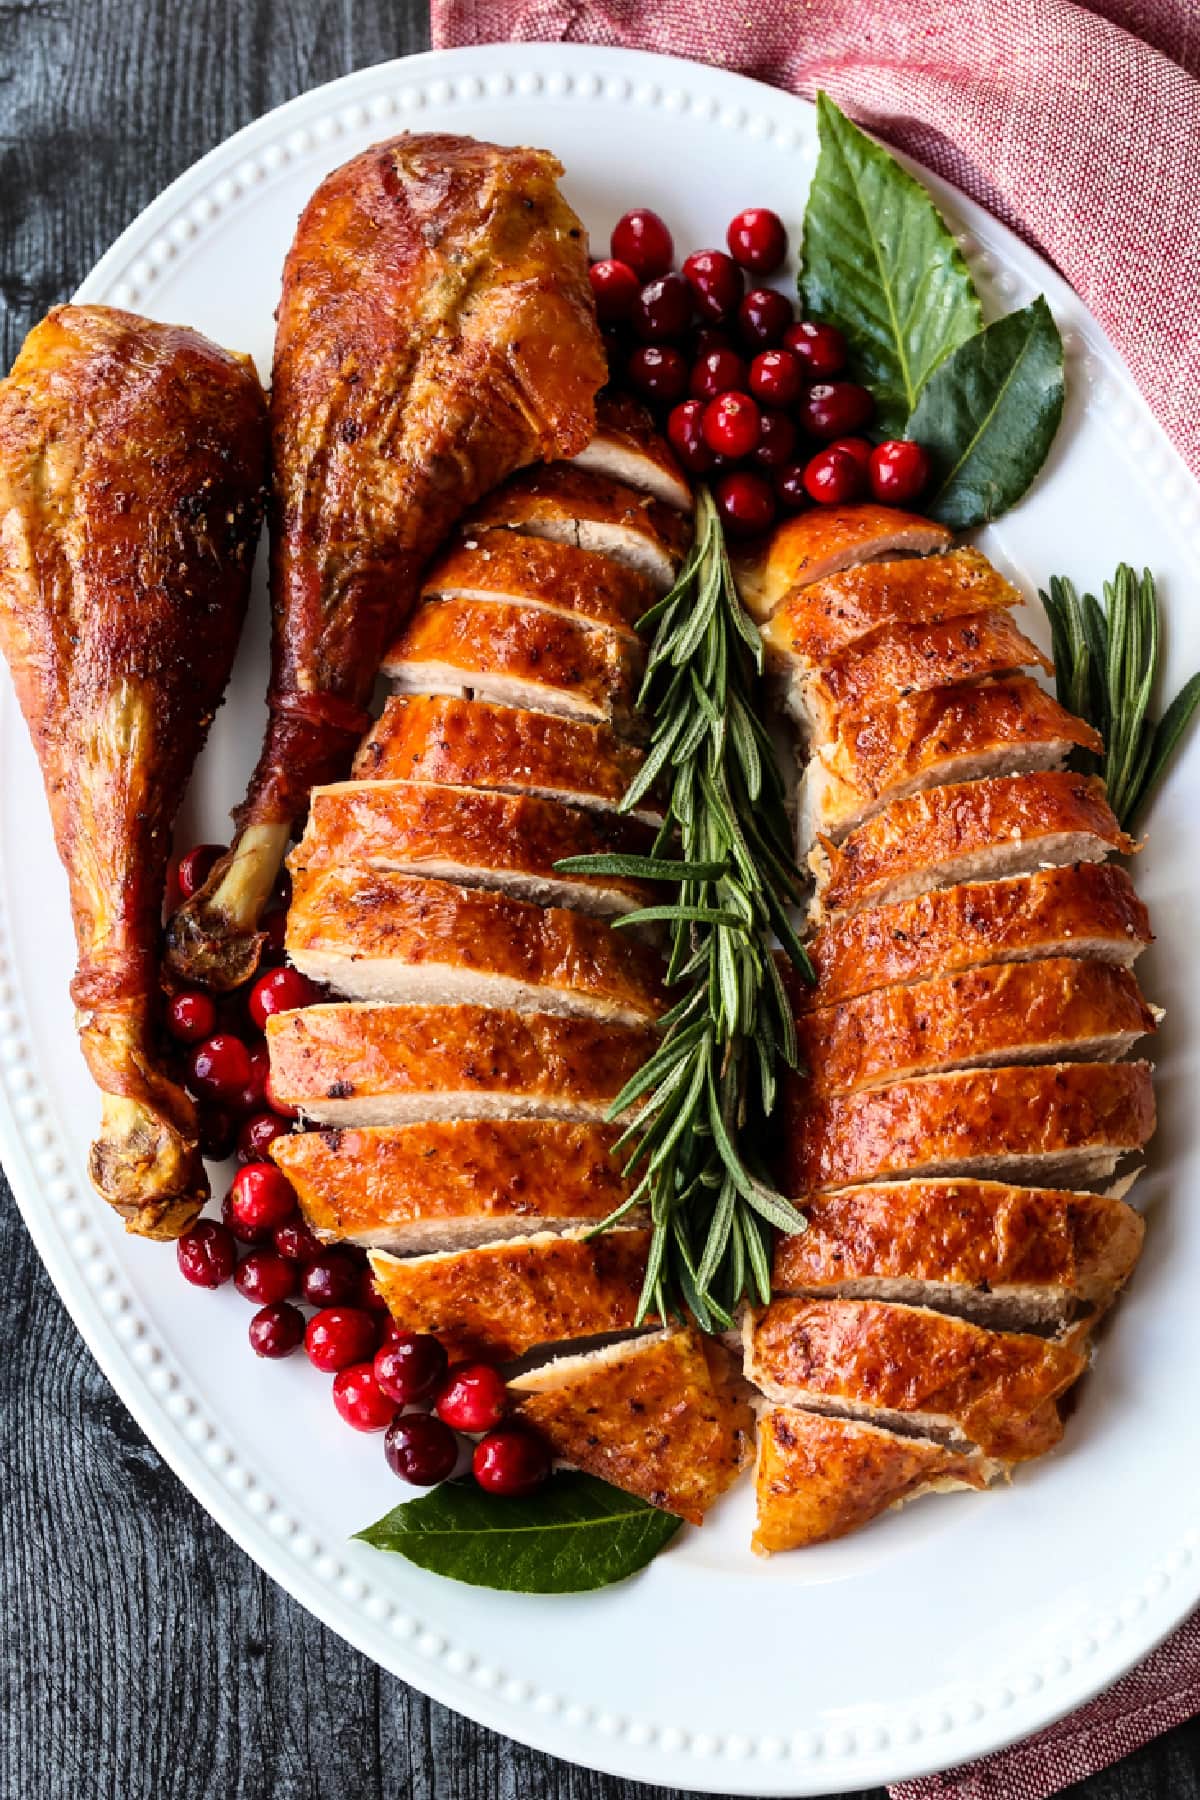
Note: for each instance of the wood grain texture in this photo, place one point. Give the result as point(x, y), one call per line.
point(142, 1654)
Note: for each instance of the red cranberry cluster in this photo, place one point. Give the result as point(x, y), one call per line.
point(745, 390)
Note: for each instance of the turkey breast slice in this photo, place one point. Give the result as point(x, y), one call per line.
point(451, 1185)
point(376, 935)
point(1004, 825)
point(1085, 909)
point(965, 732)
point(915, 1370)
point(474, 837)
point(659, 1417)
point(539, 572)
point(819, 1478)
point(520, 656)
point(1034, 1258)
point(592, 512)
point(825, 539)
point(497, 1301)
point(1064, 1124)
point(627, 448)
point(1060, 1009)
point(389, 1065)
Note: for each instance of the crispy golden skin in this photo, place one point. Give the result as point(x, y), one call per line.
point(473, 743)
point(983, 1235)
point(500, 1300)
point(555, 497)
point(435, 332)
point(1088, 909)
point(818, 543)
point(1047, 816)
point(426, 828)
point(658, 1418)
point(993, 1389)
point(335, 1061)
point(350, 916)
point(1001, 1012)
point(944, 1123)
point(819, 1479)
point(414, 1187)
point(504, 565)
point(132, 468)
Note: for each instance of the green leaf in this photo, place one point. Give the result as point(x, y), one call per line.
point(573, 1535)
point(988, 416)
point(639, 868)
point(1167, 733)
point(880, 263)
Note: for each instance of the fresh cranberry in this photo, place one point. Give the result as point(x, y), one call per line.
point(614, 289)
point(273, 925)
point(256, 1135)
point(833, 477)
point(281, 990)
point(819, 348)
point(369, 1296)
point(686, 433)
point(218, 1133)
point(763, 317)
point(857, 447)
point(718, 372)
point(337, 1336)
point(745, 502)
point(265, 1277)
point(899, 471)
point(716, 281)
point(297, 1242)
point(195, 866)
point(473, 1397)
point(709, 338)
point(790, 490)
point(660, 372)
point(262, 1196)
point(360, 1399)
point(833, 409)
point(207, 1254)
point(731, 425)
point(776, 378)
point(776, 441)
point(410, 1367)
point(332, 1280)
point(190, 1017)
point(245, 1234)
point(641, 239)
point(277, 1105)
point(253, 1096)
point(757, 240)
point(511, 1462)
point(420, 1449)
point(220, 1067)
point(663, 310)
point(277, 1330)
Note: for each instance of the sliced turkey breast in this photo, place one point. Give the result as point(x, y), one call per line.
point(387, 1065)
point(499, 1300)
point(504, 565)
point(1086, 909)
point(627, 448)
point(885, 752)
point(825, 539)
point(1034, 1258)
point(472, 836)
point(592, 512)
point(915, 1370)
point(820, 1478)
point(1059, 1123)
point(1005, 825)
point(1060, 1009)
point(519, 656)
point(373, 935)
point(473, 743)
point(448, 1186)
point(658, 1417)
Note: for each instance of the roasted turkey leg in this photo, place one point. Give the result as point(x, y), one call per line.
point(435, 333)
point(132, 477)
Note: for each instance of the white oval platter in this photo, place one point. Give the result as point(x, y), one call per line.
point(944, 1631)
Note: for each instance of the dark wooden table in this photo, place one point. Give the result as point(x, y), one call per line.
point(144, 1657)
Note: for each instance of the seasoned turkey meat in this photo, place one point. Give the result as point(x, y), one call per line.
point(592, 512)
point(558, 578)
point(626, 447)
point(824, 540)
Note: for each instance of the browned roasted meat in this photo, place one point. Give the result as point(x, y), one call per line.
point(132, 464)
point(435, 333)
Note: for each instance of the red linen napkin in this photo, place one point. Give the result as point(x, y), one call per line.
point(1079, 126)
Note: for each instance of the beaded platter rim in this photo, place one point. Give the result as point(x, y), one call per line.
point(52, 1192)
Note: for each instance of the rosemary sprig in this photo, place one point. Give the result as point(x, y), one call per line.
point(1106, 661)
point(705, 1094)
